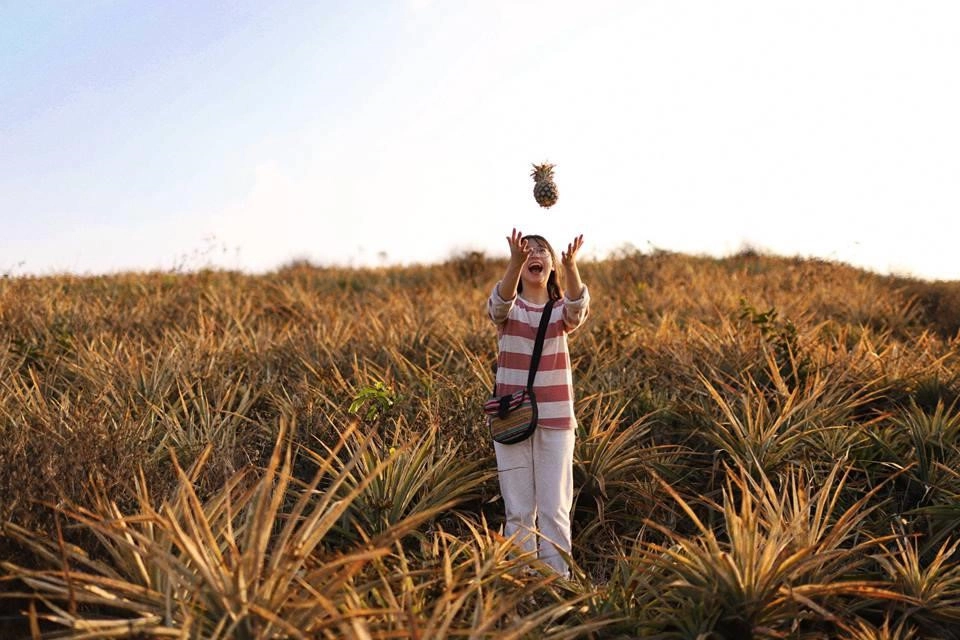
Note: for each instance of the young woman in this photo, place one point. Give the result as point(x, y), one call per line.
point(536, 475)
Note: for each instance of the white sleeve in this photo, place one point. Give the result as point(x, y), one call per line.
point(576, 311)
point(497, 307)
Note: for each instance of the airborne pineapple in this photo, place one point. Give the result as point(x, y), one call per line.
point(545, 190)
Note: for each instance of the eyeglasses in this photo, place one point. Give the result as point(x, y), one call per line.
point(539, 251)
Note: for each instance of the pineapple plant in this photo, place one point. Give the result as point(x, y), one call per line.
point(544, 189)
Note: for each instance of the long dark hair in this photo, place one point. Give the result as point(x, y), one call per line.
point(554, 288)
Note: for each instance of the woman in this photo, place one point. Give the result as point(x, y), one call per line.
point(536, 475)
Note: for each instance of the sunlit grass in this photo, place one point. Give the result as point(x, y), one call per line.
point(767, 447)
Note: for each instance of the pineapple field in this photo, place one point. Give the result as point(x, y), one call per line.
point(768, 448)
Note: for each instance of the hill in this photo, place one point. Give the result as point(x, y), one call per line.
point(768, 446)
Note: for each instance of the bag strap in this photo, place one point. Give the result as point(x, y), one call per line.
point(538, 344)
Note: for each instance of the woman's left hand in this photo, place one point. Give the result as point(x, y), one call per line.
point(569, 257)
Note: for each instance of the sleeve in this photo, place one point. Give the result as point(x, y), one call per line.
point(497, 307)
point(575, 311)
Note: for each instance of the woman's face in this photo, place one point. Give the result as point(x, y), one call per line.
point(536, 271)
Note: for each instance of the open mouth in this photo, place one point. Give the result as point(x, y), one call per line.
point(536, 268)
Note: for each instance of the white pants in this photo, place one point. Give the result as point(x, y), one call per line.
point(536, 482)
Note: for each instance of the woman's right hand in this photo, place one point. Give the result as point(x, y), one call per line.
point(519, 250)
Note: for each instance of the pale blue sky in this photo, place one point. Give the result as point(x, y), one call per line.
point(159, 135)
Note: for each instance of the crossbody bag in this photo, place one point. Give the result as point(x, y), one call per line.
point(513, 417)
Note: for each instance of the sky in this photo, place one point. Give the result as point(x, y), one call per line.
point(145, 135)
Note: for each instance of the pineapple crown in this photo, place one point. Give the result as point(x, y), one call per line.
point(542, 172)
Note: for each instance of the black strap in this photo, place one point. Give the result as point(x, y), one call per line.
point(538, 345)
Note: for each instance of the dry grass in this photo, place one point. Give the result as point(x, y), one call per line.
point(768, 448)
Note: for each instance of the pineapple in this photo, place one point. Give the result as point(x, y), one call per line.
point(545, 190)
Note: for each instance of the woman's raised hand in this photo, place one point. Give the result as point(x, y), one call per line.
point(519, 249)
point(569, 257)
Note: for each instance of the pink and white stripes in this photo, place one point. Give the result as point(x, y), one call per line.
point(517, 321)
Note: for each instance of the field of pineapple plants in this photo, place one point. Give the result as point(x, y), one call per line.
point(768, 448)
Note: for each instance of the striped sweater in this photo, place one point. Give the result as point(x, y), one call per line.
point(517, 321)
